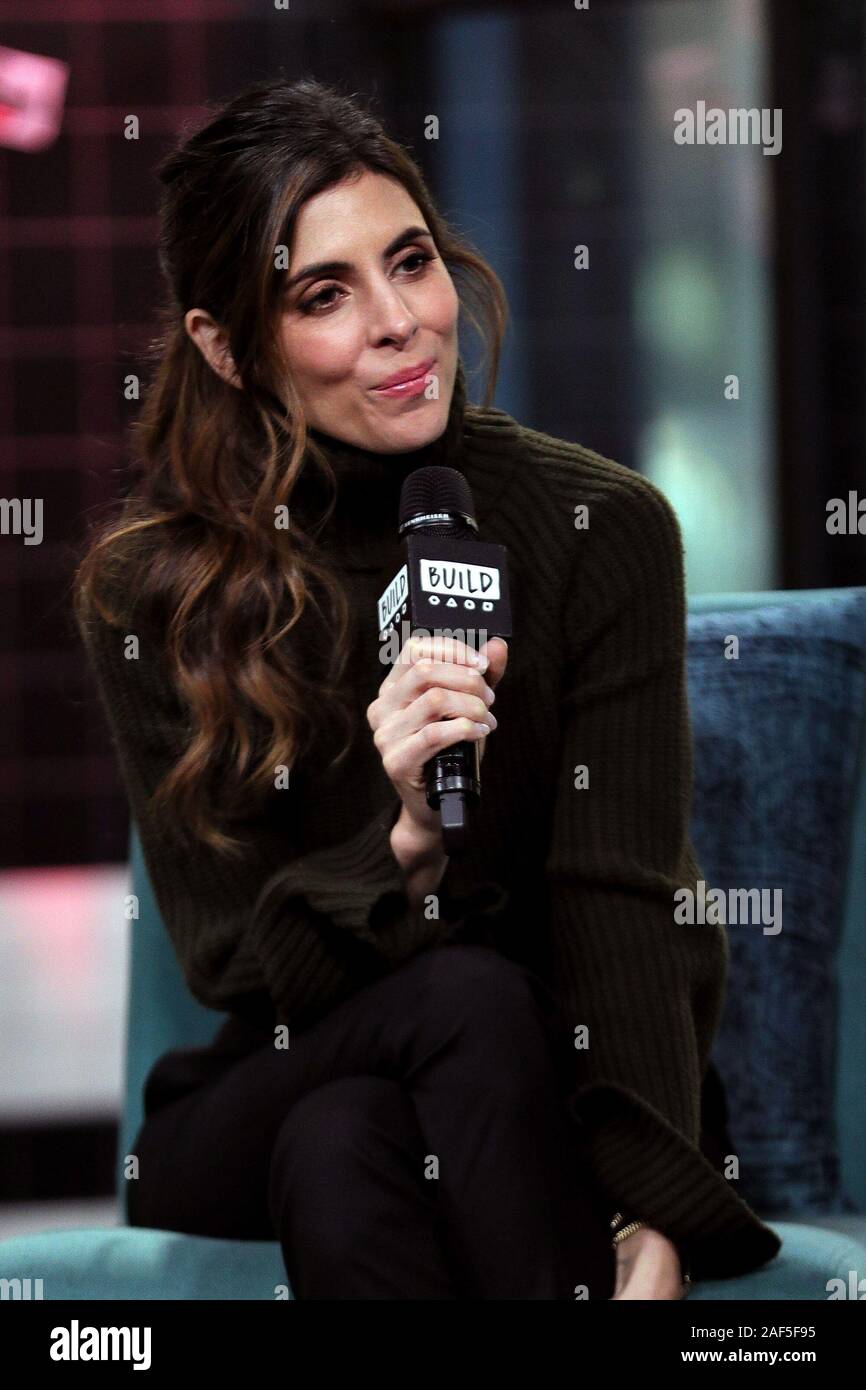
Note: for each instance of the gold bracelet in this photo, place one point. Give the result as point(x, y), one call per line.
point(617, 1218)
point(628, 1230)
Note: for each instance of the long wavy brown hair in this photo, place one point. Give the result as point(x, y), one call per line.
point(194, 545)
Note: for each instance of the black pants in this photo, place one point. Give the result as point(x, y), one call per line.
point(413, 1143)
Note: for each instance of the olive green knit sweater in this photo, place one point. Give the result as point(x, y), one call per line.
point(574, 876)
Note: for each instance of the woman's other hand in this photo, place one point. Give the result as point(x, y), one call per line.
point(648, 1267)
point(436, 694)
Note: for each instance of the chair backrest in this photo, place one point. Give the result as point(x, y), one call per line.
point(780, 798)
point(162, 1014)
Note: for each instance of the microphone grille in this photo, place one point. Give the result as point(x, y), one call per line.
point(435, 488)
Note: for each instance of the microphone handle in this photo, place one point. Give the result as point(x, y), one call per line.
point(453, 779)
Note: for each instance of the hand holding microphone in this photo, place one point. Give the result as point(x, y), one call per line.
point(450, 583)
point(434, 695)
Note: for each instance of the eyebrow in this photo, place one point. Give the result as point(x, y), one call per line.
point(322, 268)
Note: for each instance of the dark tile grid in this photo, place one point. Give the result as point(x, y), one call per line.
point(79, 277)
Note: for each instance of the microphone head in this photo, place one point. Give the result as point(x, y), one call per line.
point(437, 500)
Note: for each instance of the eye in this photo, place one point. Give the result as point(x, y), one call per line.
point(422, 256)
point(320, 301)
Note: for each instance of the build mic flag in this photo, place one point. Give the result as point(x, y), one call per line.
point(451, 585)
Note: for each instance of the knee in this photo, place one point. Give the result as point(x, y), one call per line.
point(479, 985)
point(338, 1116)
point(327, 1130)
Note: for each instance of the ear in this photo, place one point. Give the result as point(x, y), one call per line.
point(212, 343)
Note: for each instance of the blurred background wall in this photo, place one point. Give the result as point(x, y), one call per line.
point(707, 265)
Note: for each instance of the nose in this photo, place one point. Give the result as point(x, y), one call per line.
point(391, 319)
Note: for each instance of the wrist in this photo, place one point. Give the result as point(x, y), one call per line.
point(415, 844)
point(622, 1227)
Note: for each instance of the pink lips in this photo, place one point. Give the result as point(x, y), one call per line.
point(410, 382)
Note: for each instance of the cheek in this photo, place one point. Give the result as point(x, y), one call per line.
point(438, 304)
point(323, 349)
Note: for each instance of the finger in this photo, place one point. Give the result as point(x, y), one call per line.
point(438, 648)
point(440, 702)
point(405, 757)
point(426, 675)
point(392, 694)
point(435, 703)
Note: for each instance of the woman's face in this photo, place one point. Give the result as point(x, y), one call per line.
point(392, 307)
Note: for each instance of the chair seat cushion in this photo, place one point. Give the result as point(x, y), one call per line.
point(129, 1262)
point(135, 1262)
point(811, 1256)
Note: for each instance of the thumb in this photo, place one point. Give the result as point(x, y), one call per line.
point(496, 651)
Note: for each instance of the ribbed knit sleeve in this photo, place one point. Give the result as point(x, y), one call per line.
point(299, 931)
point(356, 890)
point(640, 983)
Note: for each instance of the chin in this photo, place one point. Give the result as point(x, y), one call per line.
point(413, 429)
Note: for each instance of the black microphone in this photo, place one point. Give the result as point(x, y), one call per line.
point(452, 584)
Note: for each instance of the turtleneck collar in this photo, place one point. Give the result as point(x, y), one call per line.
point(476, 440)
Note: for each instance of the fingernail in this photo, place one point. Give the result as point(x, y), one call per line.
point(483, 728)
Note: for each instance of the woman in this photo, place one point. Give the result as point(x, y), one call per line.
point(438, 1078)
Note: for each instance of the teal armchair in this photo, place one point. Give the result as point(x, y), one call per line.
point(803, 652)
